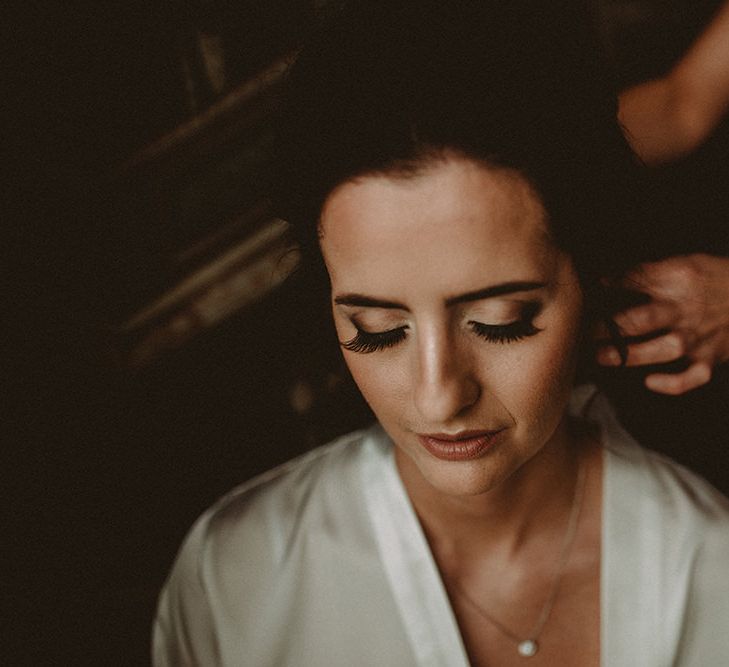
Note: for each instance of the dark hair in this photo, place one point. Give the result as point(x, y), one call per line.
point(387, 85)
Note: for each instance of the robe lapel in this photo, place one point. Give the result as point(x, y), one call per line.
point(411, 571)
point(644, 574)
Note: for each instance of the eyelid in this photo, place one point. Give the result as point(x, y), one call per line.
point(362, 329)
point(372, 341)
point(505, 333)
point(522, 327)
point(512, 309)
point(366, 342)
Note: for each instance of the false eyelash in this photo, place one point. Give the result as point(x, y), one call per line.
point(372, 342)
point(512, 332)
point(505, 333)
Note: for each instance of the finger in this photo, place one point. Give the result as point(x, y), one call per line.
point(664, 279)
point(694, 376)
point(643, 277)
point(659, 350)
point(646, 318)
point(608, 356)
point(648, 271)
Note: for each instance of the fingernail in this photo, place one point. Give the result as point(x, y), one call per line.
point(653, 383)
point(608, 356)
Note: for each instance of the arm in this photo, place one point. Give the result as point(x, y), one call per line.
point(184, 633)
point(670, 117)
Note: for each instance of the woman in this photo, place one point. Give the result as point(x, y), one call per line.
point(460, 169)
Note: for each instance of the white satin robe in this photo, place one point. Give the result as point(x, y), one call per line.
point(322, 562)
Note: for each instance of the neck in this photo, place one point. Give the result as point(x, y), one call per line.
point(532, 502)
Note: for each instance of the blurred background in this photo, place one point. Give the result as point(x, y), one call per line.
point(156, 354)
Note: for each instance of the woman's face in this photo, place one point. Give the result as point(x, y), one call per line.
point(459, 319)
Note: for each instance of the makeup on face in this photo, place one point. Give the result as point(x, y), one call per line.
point(489, 317)
point(460, 446)
point(458, 318)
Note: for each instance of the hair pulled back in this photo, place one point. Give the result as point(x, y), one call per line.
point(385, 87)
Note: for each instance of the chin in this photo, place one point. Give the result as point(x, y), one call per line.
point(465, 478)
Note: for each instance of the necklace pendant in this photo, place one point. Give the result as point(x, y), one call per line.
point(528, 648)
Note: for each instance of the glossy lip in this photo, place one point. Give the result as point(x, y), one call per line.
point(463, 446)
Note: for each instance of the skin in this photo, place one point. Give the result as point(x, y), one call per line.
point(665, 120)
point(421, 244)
point(688, 316)
point(668, 118)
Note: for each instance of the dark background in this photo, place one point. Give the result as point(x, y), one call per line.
point(108, 460)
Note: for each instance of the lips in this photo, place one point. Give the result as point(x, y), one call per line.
point(462, 446)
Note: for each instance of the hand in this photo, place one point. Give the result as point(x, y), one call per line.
point(690, 303)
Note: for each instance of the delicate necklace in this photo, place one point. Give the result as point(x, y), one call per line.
point(529, 646)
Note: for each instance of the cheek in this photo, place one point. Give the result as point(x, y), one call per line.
point(381, 377)
point(536, 380)
point(382, 383)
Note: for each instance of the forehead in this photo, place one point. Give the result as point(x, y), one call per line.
point(457, 222)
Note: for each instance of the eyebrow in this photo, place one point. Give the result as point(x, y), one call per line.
point(502, 289)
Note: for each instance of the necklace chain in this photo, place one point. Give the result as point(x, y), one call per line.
point(528, 646)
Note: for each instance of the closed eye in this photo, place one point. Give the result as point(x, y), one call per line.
point(504, 333)
point(373, 341)
point(365, 341)
point(512, 331)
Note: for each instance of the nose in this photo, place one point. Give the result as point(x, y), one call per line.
point(445, 382)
